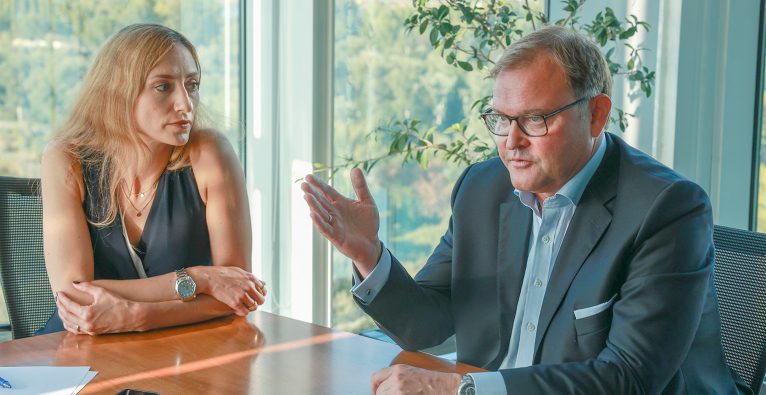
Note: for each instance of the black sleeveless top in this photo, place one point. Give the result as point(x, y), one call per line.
point(175, 234)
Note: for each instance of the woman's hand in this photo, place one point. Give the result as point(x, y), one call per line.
point(237, 288)
point(108, 313)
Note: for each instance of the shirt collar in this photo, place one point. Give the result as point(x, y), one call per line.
point(575, 187)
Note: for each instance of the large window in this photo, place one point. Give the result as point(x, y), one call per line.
point(383, 73)
point(46, 47)
point(760, 126)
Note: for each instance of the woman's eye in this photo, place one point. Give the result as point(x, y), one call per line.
point(193, 86)
point(161, 87)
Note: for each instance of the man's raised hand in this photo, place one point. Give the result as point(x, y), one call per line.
point(350, 225)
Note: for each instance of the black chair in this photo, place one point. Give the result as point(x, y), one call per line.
point(25, 283)
point(740, 281)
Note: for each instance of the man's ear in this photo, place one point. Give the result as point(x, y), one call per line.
point(599, 108)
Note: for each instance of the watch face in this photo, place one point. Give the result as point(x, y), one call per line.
point(186, 288)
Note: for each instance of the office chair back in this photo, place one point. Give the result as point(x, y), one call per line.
point(740, 282)
point(25, 283)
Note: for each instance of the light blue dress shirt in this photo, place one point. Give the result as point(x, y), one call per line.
point(549, 225)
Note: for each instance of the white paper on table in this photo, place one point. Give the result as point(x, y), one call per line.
point(85, 380)
point(44, 380)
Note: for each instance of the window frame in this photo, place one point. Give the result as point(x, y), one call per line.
point(289, 128)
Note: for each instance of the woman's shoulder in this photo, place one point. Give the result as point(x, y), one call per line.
point(212, 159)
point(60, 163)
point(58, 158)
point(210, 149)
point(209, 138)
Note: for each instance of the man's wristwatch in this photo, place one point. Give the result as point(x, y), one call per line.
point(186, 288)
point(467, 386)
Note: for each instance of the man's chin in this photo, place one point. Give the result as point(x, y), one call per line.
point(522, 184)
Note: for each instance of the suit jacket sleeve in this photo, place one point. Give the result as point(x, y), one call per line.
point(417, 313)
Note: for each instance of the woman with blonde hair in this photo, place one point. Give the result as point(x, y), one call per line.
point(145, 214)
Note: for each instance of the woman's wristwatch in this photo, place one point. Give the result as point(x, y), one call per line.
point(466, 387)
point(186, 288)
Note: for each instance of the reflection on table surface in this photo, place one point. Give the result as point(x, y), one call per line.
point(260, 354)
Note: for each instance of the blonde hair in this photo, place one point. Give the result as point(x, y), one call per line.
point(101, 131)
point(581, 59)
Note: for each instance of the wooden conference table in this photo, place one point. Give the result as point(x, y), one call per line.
point(262, 353)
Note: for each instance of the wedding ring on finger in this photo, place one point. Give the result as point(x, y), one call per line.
point(329, 219)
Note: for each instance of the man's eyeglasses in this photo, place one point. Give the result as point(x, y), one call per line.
point(532, 125)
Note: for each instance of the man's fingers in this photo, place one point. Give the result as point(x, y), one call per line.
point(326, 189)
point(379, 377)
point(317, 194)
point(316, 207)
point(360, 186)
point(323, 227)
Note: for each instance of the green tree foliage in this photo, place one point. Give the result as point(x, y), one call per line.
point(46, 47)
point(469, 35)
point(381, 74)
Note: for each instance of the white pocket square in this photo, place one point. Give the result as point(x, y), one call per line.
point(593, 310)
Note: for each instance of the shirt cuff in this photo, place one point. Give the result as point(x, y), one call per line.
point(366, 290)
point(489, 383)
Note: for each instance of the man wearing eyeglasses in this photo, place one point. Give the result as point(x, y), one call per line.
point(587, 271)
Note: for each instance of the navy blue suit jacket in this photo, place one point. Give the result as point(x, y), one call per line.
point(641, 233)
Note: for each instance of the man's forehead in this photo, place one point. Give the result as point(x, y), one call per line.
point(528, 85)
point(541, 64)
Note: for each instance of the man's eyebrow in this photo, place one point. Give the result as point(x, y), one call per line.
point(531, 111)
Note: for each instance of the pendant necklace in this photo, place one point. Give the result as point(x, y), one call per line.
point(141, 194)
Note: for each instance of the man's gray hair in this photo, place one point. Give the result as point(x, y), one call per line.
point(581, 59)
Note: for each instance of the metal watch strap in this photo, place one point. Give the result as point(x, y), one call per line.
point(181, 273)
point(467, 386)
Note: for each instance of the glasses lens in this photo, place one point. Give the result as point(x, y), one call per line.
point(497, 124)
point(534, 125)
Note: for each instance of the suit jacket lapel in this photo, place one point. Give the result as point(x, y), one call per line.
point(513, 242)
point(590, 221)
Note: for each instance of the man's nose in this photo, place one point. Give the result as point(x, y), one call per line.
point(516, 138)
